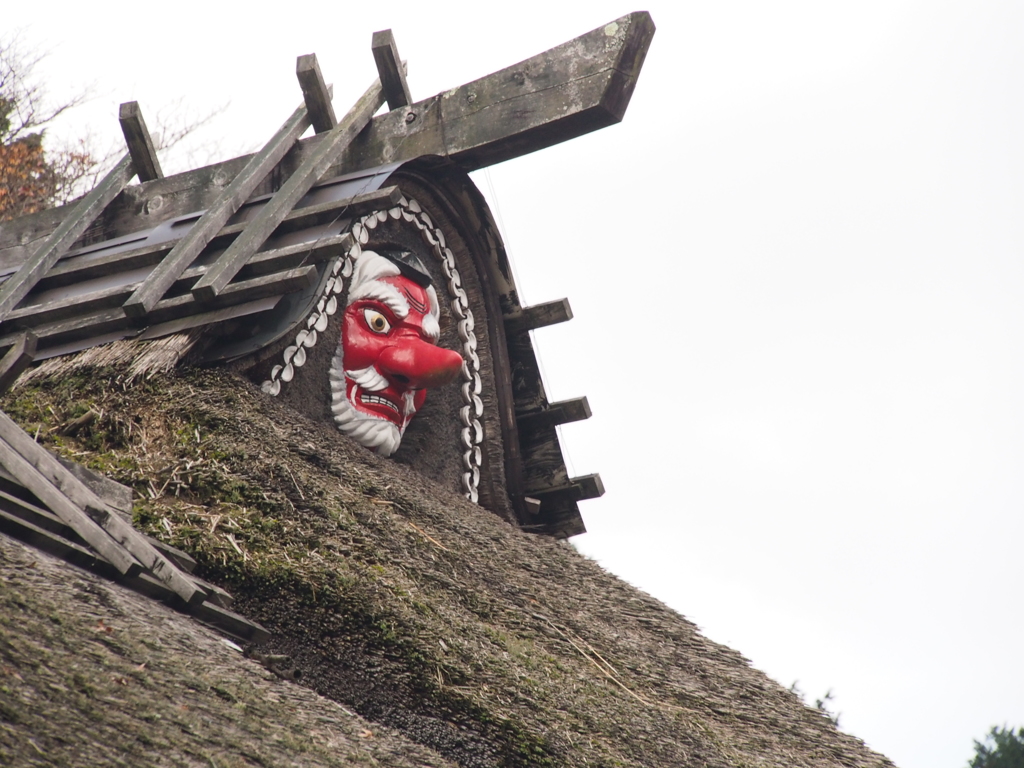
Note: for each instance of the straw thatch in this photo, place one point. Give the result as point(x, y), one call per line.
point(394, 598)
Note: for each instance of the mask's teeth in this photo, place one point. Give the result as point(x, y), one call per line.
point(366, 397)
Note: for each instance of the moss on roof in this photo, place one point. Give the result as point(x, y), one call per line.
point(418, 610)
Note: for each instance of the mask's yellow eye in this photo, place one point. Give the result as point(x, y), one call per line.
point(376, 321)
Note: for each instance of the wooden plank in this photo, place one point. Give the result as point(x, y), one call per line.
point(18, 358)
point(208, 318)
point(263, 263)
point(80, 497)
point(75, 270)
point(118, 497)
point(140, 144)
point(578, 87)
point(197, 238)
point(298, 184)
point(53, 543)
point(390, 69)
point(543, 464)
point(28, 474)
point(559, 517)
point(578, 488)
point(538, 316)
point(37, 516)
point(316, 93)
point(174, 308)
point(232, 623)
point(562, 412)
point(573, 89)
point(259, 287)
point(63, 237)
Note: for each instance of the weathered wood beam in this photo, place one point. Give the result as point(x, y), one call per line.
point(197, 238)
point(562, 412)
point(77, 269)
point(118, 497)
point(176, 307)
point(18, 358)
point(47, 520)
point(316, 93)
point(63, 237)
point(538, 316)
point(263, 263)
point(140, 144)
point(81, 498)
point(578, 489)
point(390, 69)
point(28, 475)
point(232, 623)
point(53, 543)
point(573, 89)
point(280, 205)
point(45, 531)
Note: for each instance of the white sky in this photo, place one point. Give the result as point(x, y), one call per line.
point(796, 272)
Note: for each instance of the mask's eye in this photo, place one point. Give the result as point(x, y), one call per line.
point(376, 321)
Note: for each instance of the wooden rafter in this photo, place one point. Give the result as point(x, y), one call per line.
point(391, 70)
point(299, 183)
point(140, 144)
point(63, 237)
point(237, 192)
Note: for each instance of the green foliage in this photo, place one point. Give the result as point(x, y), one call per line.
point(1002, 748)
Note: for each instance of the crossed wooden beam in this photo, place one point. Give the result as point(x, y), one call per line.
point(580, 86)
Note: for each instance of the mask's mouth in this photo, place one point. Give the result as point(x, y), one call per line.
point(369, 400)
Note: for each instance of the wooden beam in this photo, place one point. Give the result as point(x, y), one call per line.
point(77, 269)
point(174, 308)
point(263, 263)
point(81, 498)
point(46, 540)
point(118, 497)
point(281, 204)
point(24, 469)
point(316, 93)
point(197, 238)
point(578, 489)
point(47, 532)
point(562, 412)
point(573, 89)
point(578, 87)
point(538, 316)
point(140, 145)
point(63, 237)
point(390, 69)
point(232, 623)
point(18, 358)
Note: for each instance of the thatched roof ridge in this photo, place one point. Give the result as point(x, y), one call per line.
point(409, 605)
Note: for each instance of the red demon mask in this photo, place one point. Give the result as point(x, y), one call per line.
point(391, 358)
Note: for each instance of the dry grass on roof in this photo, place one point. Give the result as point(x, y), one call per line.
point(413, 607)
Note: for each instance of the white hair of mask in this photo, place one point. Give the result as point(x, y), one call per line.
point(366, 284)
point(369, 430)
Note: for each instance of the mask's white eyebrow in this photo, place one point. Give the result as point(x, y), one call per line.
point(384, 293)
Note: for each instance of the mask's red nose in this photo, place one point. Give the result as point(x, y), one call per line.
point(419, 364)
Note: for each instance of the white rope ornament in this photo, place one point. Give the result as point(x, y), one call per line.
point(472, 410)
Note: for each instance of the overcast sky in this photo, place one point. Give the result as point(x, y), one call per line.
point(796, 269)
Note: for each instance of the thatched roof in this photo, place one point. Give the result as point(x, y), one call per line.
point(394, 598)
